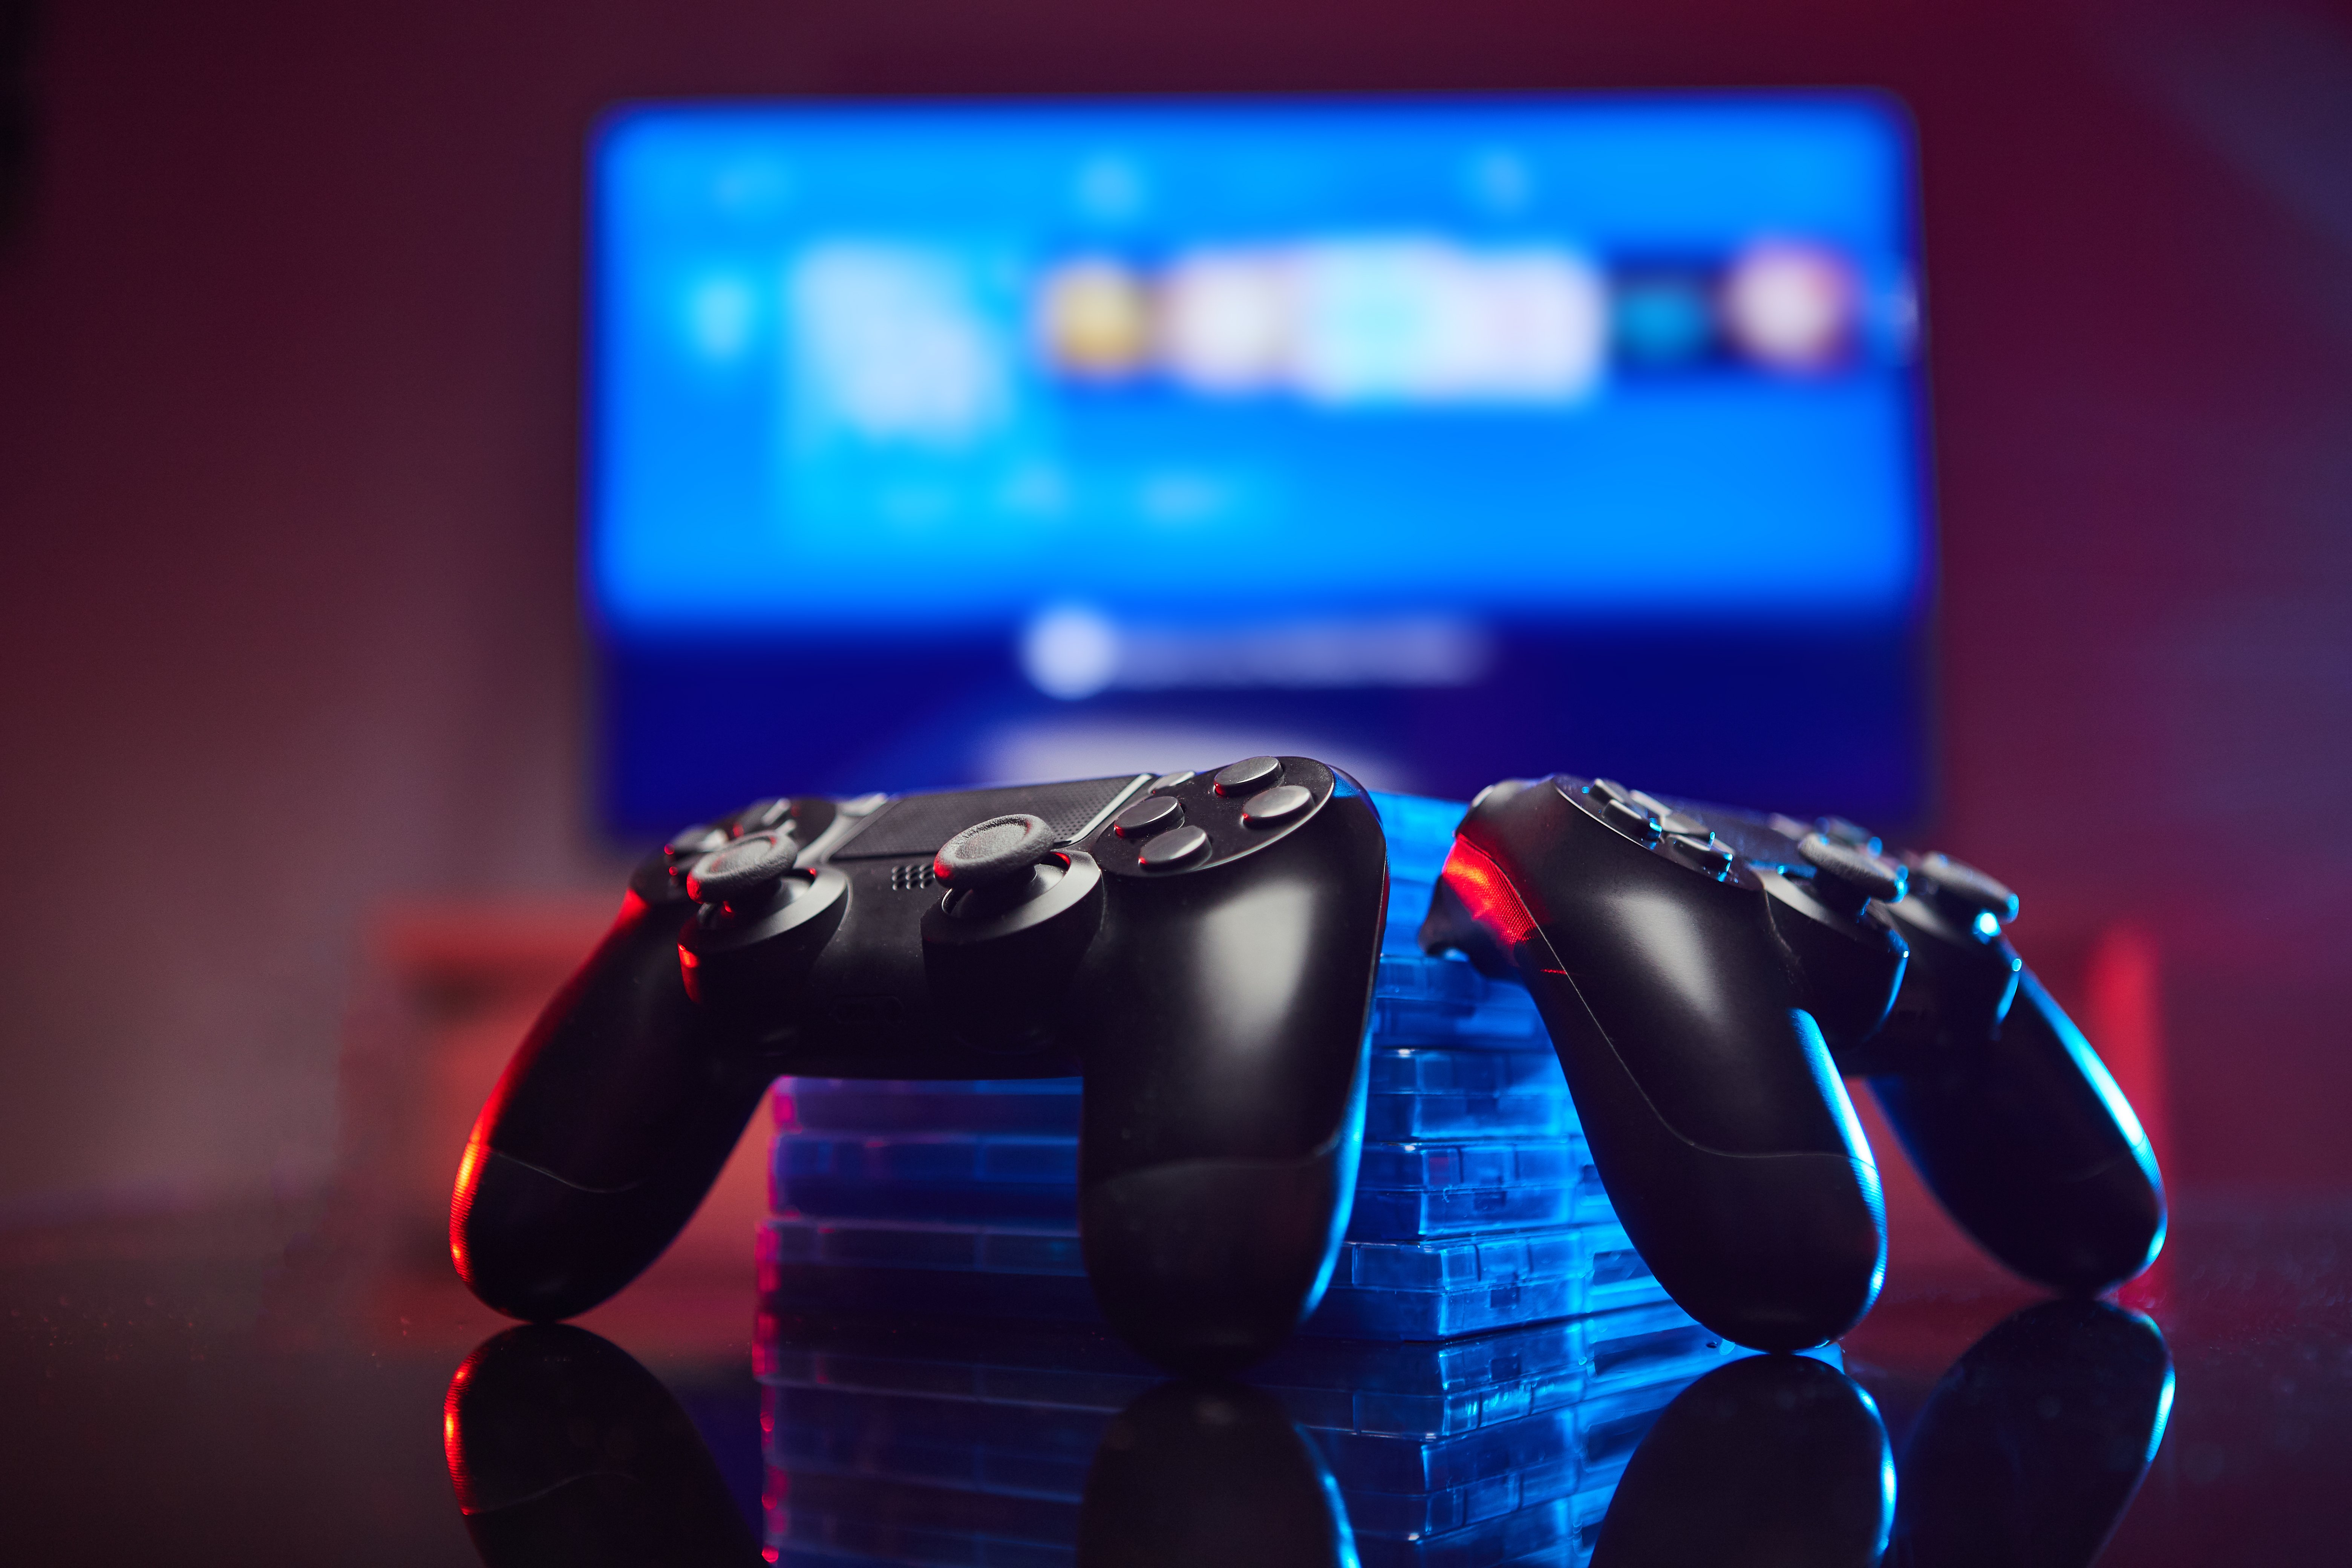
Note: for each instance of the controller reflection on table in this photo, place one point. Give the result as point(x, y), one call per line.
point(563, 1449)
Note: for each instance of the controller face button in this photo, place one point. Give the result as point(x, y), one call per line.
point(1850, 876)
point(1968, 886)
point(1700, 851)
point(1152, 814)
point(1249, 775)
point(1633, 821)
point(734, 872)
point(1171, 849)
point(1274, 805)
point(1001, 849)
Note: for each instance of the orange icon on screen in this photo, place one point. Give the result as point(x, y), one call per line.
point(1095, 320)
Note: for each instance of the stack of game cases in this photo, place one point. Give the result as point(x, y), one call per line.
point(1489, 1350)
point(1476, 1209)
point(968, 1444)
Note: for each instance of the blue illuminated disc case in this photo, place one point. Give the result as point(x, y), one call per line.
point(1445, 439)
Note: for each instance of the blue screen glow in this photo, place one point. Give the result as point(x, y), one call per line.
point(1284, 396)
point(901, 364)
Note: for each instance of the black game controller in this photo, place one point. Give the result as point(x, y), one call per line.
point(1201, 948)
point(1708, 976)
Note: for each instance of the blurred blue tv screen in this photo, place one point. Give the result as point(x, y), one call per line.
point(929, 443)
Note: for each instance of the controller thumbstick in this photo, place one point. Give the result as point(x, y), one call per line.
point(1965, 891)
point(1849, 876)
point(999, 850)
point(745, 874)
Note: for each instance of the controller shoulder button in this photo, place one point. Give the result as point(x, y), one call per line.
point(1249, 774)
point(1276, 804)
point(1152, 814)
point(1167, 850)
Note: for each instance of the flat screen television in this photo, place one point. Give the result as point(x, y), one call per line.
point(1446, 440)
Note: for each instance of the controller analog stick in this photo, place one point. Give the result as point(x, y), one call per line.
point(1965, 886)
point(1850, 876)
point(991, 853)
point(744, 873)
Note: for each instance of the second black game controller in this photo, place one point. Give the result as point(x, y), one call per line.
point(1708, 976)
point(1200, 948)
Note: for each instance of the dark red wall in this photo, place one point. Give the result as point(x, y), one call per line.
point(287, 358)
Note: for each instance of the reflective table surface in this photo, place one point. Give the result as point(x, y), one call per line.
point(206, 1390)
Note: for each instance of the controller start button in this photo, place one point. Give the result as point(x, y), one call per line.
point(1152, 814)
point(1168, 850)
point(1276, 804)
point(1249, 775)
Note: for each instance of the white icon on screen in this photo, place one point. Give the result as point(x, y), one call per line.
point(891, 347)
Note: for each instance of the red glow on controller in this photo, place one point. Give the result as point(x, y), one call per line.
point(1487, 894)
point(461, 1199)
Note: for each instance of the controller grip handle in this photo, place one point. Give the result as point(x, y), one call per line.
point(2027, 1143)
point(1778, 1251)
point(1205, 1266)
point(606, 1130)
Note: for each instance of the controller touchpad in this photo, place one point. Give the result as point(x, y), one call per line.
point(914, 825)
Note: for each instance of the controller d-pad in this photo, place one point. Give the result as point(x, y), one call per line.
point(1966, 886)
point(1179, 848)
point(693, 843)
point(1152, 814)
point(1852, 834)
point(762, 814)
point(1671, 821)
point(1249, 775)
point(1610, 789)
point(1276, 804)
point(1631, 820)
point(1700, 851)
point(1849, 876)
